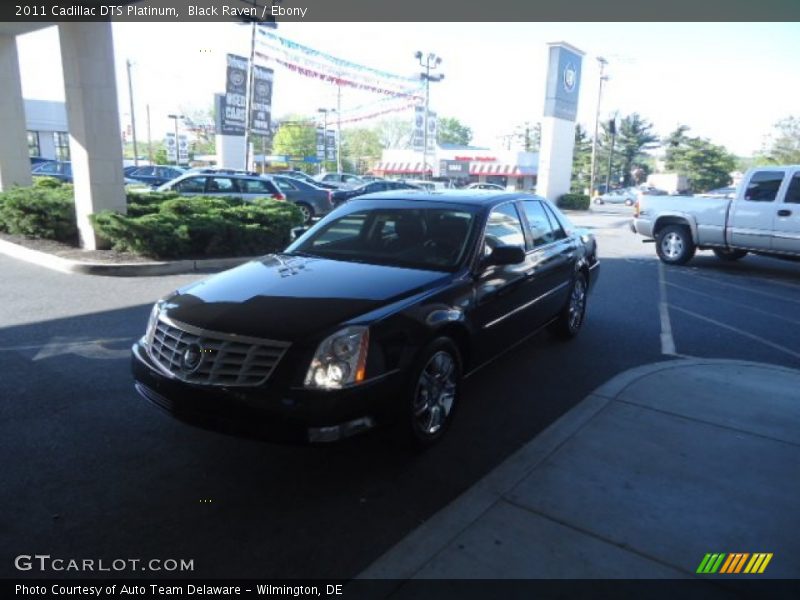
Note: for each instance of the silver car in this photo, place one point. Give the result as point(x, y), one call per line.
point(223, 183)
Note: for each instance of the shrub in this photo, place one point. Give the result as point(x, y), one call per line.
point(41, 211)
point(574, 201)
point(178, 226)
point(46, 182)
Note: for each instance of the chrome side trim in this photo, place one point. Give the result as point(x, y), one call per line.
point(526, 305)
point(232, 337)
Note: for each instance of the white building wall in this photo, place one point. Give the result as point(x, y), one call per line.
point(15, 166)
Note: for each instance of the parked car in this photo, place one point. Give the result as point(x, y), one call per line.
point(342, 196)
point(307, 178)
point(763, 217)
point(485, 186)
point(626, 196)
point(218, 183)
point(61, 170)
point(374, 315)
point(341, 180)
point(369, 178)
point(155, 175)
point(312, 201)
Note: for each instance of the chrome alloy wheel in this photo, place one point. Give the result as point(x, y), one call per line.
point(577, 304)
point(672, 245)
point(435, 393)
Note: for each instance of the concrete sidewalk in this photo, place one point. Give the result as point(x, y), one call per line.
point(656, 468)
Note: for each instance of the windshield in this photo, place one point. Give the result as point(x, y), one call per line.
point(417, 238)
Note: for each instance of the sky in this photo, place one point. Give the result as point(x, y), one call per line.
point(729, 82)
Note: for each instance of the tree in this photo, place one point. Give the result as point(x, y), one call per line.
point(706, 165)
point(453, 131)
point(361, 143)
point(581, 160)
point(782, 146)
point(635, 135)
point(394, 133)
point(296, 138)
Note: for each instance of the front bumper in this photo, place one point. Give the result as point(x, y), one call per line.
point(274, 413)
point(642, 226)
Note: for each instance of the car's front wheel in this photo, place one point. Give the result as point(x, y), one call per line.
point(433, 393)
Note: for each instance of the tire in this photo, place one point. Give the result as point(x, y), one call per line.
point(437, 372)
point(571, 318)
point(308, 212)
point(628, 202)
point(674, 245)
point(598, 201)
point(729, 255)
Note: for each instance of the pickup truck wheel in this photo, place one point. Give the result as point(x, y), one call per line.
point(729, 255)
point(674, 245)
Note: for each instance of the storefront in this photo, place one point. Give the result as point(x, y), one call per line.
point(463, 165)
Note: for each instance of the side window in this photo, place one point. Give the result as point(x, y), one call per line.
point(344, 230)
point(763, 186)
point(539, 223)
point(793, 193)
point(558, 230)
point(192, 185)
point(503, 228)
point(256, 186)
point(220, 185)
point(349, 178)
point(282, 184)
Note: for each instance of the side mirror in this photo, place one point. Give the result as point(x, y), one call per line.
point(506, 255)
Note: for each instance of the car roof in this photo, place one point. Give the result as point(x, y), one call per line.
point(472, 197)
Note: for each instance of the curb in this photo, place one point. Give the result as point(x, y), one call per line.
point(406, 558)
point(66, 265)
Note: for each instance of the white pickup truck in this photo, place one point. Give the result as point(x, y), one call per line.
point(762, 218)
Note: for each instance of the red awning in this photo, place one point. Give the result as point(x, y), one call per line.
point(400, 168)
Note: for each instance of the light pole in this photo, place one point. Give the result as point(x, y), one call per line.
point(177, 151)
point(133, 116)
point(431, 62)
point(324, 112)
point(603, 77)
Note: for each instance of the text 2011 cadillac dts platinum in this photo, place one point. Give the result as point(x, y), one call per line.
point(372, 316)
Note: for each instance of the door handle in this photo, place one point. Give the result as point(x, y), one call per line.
point(784, 213)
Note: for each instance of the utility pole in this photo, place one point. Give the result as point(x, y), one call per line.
point(603, 62)
point(249, 92)
point(338, 128)
point(133, 117)
point(149, 139)
point(431, 62)
point(612, 128)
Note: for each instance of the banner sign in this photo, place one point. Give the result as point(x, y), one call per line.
point(183, 148)
point(563, 82)
point(261, 109)
point(330, 145)
point(320, 143)
point(432, 131)
point(234, 102)
point(417, 129)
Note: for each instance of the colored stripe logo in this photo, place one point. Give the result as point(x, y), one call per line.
point(734, 562)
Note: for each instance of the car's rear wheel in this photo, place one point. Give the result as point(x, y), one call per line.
point(571, 317)
point(628, 202)
point(307, 211)
point(729, 255)
point(433, 394)
point(674, 245)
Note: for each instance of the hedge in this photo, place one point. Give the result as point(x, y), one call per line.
point(200, 226)
point(574, 201)
point(44, 210)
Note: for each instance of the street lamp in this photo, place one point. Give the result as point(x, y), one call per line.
point(603, 62)
point(177, 152)
point(430, 63)
point(324, 112)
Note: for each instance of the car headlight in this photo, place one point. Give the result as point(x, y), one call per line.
point(339, 360)
point(152, 322)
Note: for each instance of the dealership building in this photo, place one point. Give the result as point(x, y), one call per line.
point(467, 164)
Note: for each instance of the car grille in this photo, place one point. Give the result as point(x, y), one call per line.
point(224, 359)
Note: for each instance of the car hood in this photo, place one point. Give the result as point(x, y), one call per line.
point(288, 298)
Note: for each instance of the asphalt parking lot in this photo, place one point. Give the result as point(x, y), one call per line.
point(93, 471)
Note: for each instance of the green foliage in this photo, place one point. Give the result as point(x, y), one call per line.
point(581, 161)
point(706, 165)
point(394, 133)
point(782, 147)
point(160, 157)
point(453, 131)
point(574, 201)
point(197, 226)
point(361, 143)
point(634, 136)
point(46, 182)
point(40, 211)
point(296, 138)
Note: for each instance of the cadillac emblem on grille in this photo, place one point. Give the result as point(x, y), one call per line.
point(201, 356)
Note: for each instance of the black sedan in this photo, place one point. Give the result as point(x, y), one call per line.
point(373, 316)
point(343, 195)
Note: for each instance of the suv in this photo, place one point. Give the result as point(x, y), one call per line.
point(224, 183)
